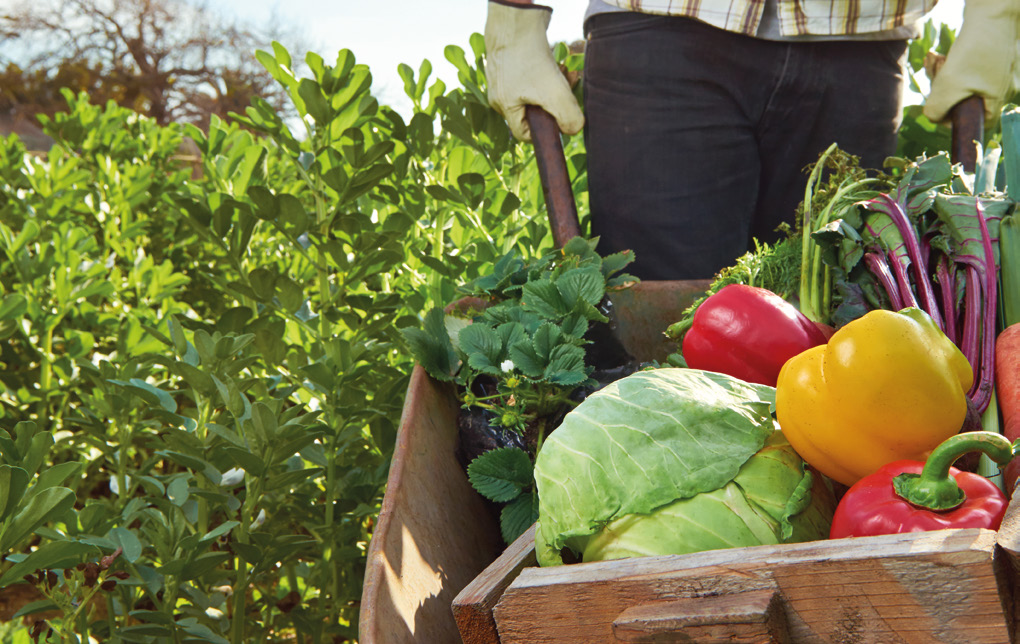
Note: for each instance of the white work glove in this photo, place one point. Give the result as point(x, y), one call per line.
point(521, 69)
point(983, 61)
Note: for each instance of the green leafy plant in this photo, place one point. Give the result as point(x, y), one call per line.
point(520, 359)
point(215, 346)
point(529, 339)
point(506, 475)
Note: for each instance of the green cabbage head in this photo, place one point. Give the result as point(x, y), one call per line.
point(672, 461)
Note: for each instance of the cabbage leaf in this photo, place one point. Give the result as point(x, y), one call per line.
point(642, 442)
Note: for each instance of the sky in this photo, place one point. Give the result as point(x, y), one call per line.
point(385, 33)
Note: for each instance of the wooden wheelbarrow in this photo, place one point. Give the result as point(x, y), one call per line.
point(437, 571)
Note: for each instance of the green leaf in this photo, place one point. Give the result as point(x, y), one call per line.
point(437, 191)
point(581, 284)
point(144, 633)
point(543, 298)
point(203, 634)
point(197, 379)
point(501, 474)
point(316, 104)
point(49, 555)
point(127, 540)
point(250, 553)
point(220, 530)
point(149, 393)
point(431, 346)
point(13, 483)
point(177, 336)
point(56, 474)
point(518, 516)
point(264, 423)
point(203, 563)
point(364, 181)
point(34, 444)
point(40, 509)
point(263, 283)
point(246, 460)
point(472, 188)
point(177, 490)
point(39, 606)
point(566, 366)
point(13, 306)
point(483, 347)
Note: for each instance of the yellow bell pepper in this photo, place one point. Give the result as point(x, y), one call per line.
point(887, 386)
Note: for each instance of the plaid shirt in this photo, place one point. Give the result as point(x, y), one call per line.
point(796, 17)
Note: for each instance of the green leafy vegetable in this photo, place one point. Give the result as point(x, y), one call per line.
point(656, 437)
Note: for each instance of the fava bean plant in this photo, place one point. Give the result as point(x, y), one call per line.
point(201, 364)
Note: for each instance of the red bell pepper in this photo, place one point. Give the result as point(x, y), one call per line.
point(748, 333)
point(910, 496)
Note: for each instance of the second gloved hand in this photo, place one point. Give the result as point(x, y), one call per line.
point(522, 71)
point(983, 61)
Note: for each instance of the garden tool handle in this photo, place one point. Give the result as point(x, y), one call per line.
point(552, 168)
point(968, 124)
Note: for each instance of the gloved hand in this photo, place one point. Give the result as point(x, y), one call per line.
point(984, 60)
point(521, 69)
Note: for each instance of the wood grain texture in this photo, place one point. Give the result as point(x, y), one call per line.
point(472, 608)
point(434, 532)
point(754, 617)
point(944, 586)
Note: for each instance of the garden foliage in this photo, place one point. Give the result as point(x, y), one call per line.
point(201, 366)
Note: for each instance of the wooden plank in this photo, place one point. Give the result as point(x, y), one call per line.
point(1008, 540)
point(919, 588)
point(642, 313)
point(434, 532)
point(472, 608)
point(754, 617)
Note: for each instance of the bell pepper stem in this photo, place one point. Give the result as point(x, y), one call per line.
point(934, 488)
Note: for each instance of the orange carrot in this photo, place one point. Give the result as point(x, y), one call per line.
point(1007, 385)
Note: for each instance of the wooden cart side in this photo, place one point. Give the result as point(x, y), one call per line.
point(434, 533)
point(1008, 541)
point(642, 313)
point(943, 586)
point(472, 608)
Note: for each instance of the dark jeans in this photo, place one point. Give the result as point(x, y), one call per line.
point(698, 138)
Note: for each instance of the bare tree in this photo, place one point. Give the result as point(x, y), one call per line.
point(170, 59)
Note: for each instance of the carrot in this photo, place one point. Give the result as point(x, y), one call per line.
point(1007, 384)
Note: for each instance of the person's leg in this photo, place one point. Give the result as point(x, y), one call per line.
point(842, 92)
point(673, 165)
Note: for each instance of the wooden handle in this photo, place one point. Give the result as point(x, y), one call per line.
point(752, 617)
point(552, 168)
point(968, 120)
